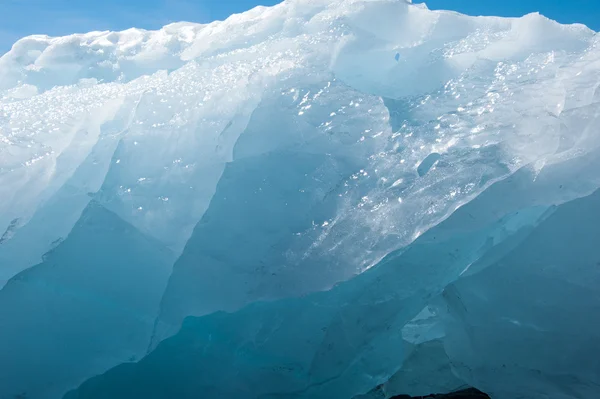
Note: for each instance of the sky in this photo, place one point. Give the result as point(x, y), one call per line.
point(20, 18)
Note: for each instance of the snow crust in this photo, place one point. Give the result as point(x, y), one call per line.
point(319, 151)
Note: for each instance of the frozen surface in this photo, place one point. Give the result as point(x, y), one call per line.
point(526, 324)
point(360, 334)
point(321, 170)
point(91, 302)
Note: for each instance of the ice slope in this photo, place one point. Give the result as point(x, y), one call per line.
point(527, 332)
point(271, 155)
point(90, 303)
point(527, 322)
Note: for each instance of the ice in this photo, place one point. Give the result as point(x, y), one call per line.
point(373, 329)
point(320, 170)
point(530, 314)
point(356, 336)
point(92, 301)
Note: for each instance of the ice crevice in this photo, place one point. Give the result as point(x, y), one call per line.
point(288, 203)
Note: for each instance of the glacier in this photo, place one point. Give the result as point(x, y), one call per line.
point(320, 199)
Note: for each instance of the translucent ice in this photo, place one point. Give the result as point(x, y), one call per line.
point(321, 170)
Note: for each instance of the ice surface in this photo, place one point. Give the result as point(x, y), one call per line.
point(355, 337)
point(91, 302)
point(526, 324)
point(344, 160)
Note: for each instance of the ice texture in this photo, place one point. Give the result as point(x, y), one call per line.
point(301, 201)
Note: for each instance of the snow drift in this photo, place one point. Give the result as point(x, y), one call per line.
point(333, 175)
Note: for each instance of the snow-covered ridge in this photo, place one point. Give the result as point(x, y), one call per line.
point(108, 56)
point(105, 56)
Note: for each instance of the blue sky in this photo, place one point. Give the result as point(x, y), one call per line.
point(19, 18)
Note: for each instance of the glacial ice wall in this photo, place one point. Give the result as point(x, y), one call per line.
point(348, 161)
point(442, 314)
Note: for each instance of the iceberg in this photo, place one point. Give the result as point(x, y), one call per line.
point(313, 200)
